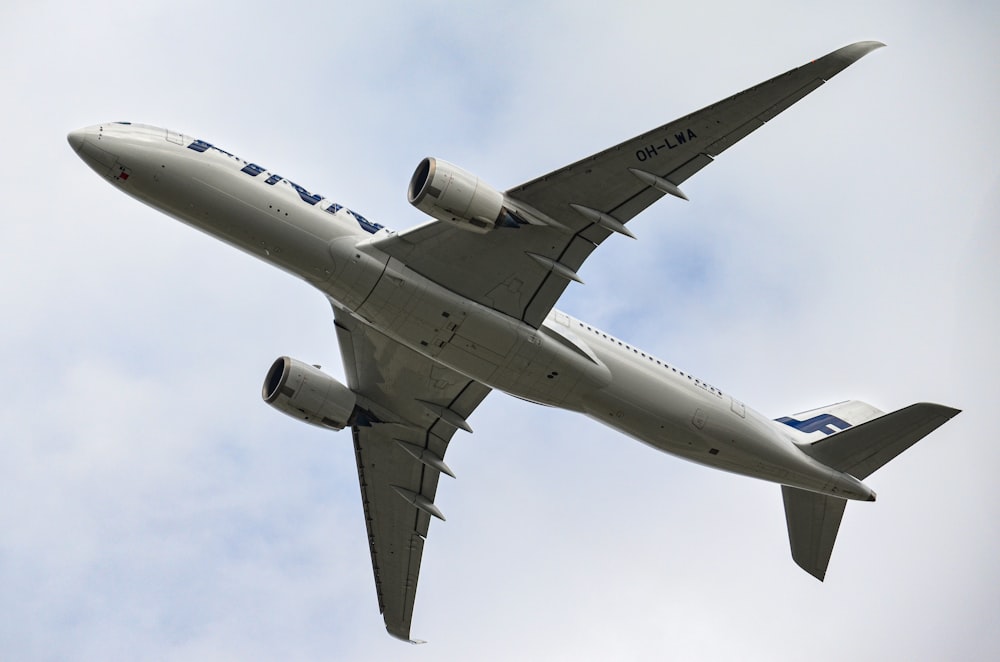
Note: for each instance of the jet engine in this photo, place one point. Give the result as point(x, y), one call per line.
point(305, 392)
point(450, 194)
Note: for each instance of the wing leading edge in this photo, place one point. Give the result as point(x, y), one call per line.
point(522, 272)
point(411, 408)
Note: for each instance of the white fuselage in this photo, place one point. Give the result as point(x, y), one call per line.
point(566, 363)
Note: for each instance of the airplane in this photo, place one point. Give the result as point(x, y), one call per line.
point(431, 319)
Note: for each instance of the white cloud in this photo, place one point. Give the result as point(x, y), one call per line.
point(152, 507)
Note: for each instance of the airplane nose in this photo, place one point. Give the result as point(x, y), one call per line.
point(75, 139)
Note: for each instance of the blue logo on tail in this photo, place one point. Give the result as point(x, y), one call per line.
point(825, 423)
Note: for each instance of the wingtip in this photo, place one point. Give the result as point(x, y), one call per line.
point(858, 49)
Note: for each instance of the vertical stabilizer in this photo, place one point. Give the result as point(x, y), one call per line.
point(852, 438)
point(815, 424)
point(813, 521)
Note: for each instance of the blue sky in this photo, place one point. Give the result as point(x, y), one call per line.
point(153, 507)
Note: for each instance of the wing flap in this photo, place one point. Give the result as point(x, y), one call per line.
point(552, 286)
point(688, 169)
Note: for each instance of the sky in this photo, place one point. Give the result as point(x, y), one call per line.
point(152, 507)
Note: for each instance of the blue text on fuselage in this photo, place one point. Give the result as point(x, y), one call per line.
point(253, 170)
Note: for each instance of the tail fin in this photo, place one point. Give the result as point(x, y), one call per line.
point(819, 423)
point(866, 443)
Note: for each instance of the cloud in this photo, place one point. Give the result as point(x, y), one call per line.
point(152, 507)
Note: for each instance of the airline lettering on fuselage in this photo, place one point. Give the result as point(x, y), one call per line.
point(825, 423)
point(670, 142)
point(254, 170)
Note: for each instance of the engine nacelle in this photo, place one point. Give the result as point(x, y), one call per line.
point(304, 392)
point(448, 193)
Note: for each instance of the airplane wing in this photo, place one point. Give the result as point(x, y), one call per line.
point(522, 271)
point(412, 408)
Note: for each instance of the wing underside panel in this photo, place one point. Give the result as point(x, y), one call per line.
point(497, 270)
point(400, 439)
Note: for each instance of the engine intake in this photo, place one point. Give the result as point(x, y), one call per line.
point(305, 392)
point(450, 194)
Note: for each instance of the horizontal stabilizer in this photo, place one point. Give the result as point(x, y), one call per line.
point(862, 449)
point(856, 440)
point(813, 521)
